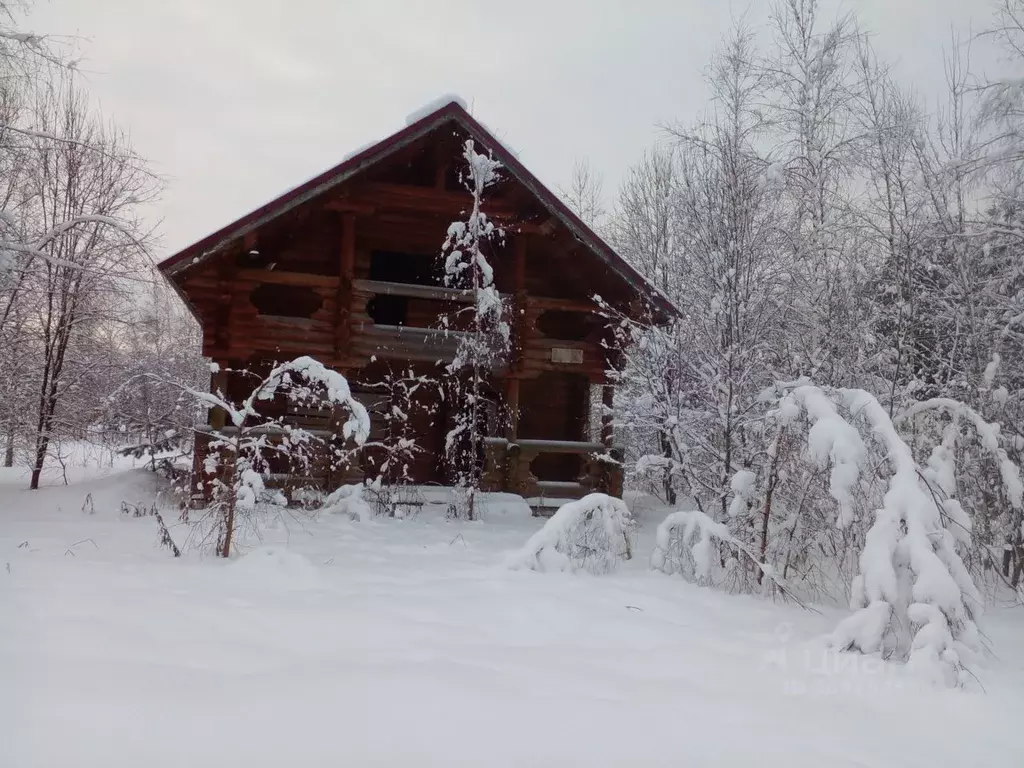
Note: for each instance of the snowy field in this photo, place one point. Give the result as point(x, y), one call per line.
point(336, 643)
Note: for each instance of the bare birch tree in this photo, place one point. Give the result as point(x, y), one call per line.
point(85, 194)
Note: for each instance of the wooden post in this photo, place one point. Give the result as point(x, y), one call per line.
point(201, 488)
point(519, 304)
point(519, 251)
point(607, 399)
point(518, 329)
point(346, 276)
point(219, 383)
point(440, 174)
point(516, 362)
point(512, 402)
point(222, 339)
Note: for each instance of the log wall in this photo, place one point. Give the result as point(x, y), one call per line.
point(324, 259)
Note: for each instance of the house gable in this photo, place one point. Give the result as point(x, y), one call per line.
point(413, 170)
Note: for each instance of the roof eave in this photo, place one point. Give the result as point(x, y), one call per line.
point(303, 193)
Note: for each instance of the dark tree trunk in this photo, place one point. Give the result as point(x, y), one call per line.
point(9, 449)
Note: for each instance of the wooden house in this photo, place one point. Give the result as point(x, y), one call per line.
point(345, 268)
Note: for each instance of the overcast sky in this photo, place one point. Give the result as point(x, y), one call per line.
point(235, 101)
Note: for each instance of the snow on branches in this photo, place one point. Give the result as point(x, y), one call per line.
point(238, 455)
point(913, 598)
point(466, 265)
point(348, 500)
point(689, 543)
point(307, 381)
point(592, 534)
point(831, 440)
point(900, 520)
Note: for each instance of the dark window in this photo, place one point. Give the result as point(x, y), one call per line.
point(285, 300)
point(388, 310)
point(409, 268)
point(561, 324)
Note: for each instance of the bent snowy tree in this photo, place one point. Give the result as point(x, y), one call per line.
point(240, 455)
point(842, 493)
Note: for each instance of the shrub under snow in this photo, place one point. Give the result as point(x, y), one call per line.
point(592, 534)
point(687, 543)
point(691, 544)
point(913, 598)
point(348, 500)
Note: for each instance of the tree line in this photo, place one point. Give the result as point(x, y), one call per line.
point(844, 383)
point(81, 303)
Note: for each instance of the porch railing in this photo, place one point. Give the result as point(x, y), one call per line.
point(507, 467)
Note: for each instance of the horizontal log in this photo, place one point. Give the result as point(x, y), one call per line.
point(559, 446)
point(561, 488)
point(533, 369)
point(412, 335)
point(281, 277)
point(432, 292)
point(272, 333)
point(544, 356)
point(544, 304)
point(282, 320)
point(297, 346)
point(428, 200)
point(363, 355)
point(344, 205)
point(547, 344)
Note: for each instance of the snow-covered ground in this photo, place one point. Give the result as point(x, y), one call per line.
point(409, 643)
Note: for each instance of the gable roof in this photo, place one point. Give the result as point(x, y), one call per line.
point(451, 111)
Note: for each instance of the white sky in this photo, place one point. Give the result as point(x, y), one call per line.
point(235, 101)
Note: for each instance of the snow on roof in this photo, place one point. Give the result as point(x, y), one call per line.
point(433, 106)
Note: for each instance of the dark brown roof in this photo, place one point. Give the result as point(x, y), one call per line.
point(452, 111)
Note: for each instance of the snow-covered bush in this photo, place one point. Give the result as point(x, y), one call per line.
point(397, 500)
point(969, 461)
point(704, 552)
point(348, 500)
point(687, 543)
point(238, 457)
point(593, 534)
point(842, 486)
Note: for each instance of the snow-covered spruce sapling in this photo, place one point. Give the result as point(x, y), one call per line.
point(239, 454)
point(485, 340)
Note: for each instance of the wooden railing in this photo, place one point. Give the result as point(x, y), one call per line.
point(507, 468)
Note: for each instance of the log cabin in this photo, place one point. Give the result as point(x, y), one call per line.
point(346, 268)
